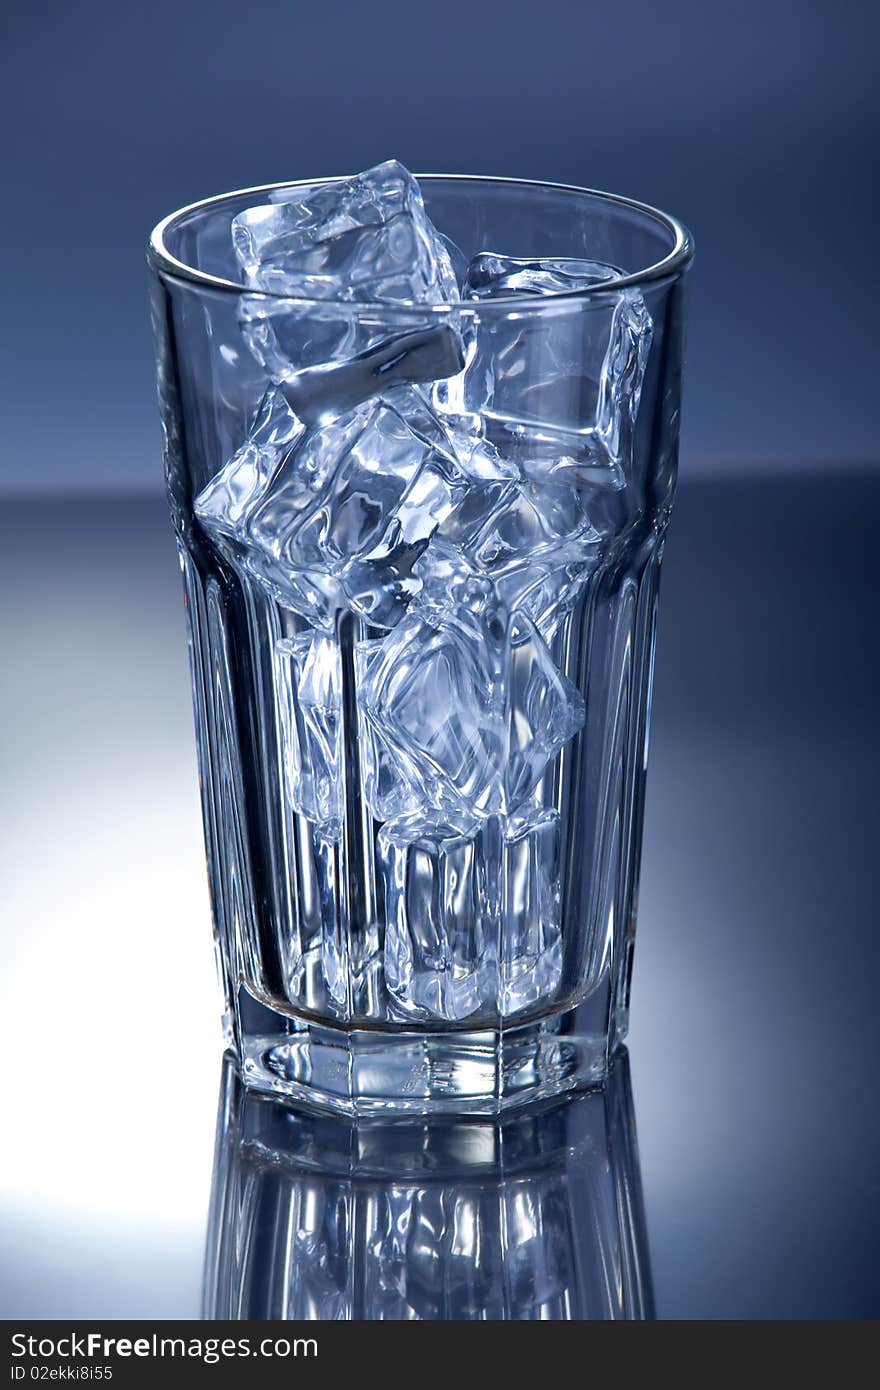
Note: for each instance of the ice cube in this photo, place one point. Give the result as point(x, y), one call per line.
point(623, 372)
point(392, 785)
point(309, 695)
point(432, 697)
point(541, 587)
point(387, 470)
point(516, 530)
point(454, 946)
point(489, 275)
point(467, 706)
point(558, 390)
point(339, 520)
point(544, 711)
point(224, 505)
point(530, 940)
point(457, 259)
point(546, 588)
point(447, 579)
point(535, 540)
point(286, 336)
point(379, 587)
point(228, 504)
point(366, 238)
point(322, 393)
point(439, 956)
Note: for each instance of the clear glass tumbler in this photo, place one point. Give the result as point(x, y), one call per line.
point(422, 776)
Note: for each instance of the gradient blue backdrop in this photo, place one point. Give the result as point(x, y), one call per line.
point(755, 122)
point(756, 1038)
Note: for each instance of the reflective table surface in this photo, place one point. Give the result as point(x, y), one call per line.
point(746, 1185)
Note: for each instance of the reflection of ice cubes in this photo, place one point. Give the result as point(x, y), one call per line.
point(454, 946)
point(467, 708)
point(336, 516)
point(475, 1250)
point(362, 239)
point(530, 374)
point(309, 695)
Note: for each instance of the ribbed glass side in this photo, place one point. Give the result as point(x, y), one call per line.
point(324, 927)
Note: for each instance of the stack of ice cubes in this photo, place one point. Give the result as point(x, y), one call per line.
point(434, 479)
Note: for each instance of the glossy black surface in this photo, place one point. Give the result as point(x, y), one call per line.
point(755, 1041)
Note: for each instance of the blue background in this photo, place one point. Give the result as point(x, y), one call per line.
point(755, 1042)
point(754, 122)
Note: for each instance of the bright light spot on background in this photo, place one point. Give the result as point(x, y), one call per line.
point(109, 1009)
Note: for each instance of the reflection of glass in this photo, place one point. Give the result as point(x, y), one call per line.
point(538, 1216)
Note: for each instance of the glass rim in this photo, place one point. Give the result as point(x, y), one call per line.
point(669, 266)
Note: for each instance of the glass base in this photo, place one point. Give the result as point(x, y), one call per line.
point(368, 1072)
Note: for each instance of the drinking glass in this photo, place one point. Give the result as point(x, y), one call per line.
point(423, 818)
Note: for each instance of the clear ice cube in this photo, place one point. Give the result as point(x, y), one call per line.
point(364, 239)
point(308, 691)
point(531, 939)
point(447, 579)
point(544, 710)
point(320, 394)
point(392, 785)
point(536, 540)
point(489, 275)
point(528, 520)
point(431, 698)
point(286, 336)
point(335, 517)
point(467, 707)
point(379, 587)
point(438, 955)
point(541, 588)
point(472, 913)
point(530, 379)
point(360, 498)
point(225, 504)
